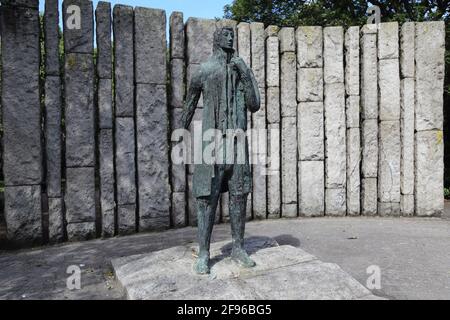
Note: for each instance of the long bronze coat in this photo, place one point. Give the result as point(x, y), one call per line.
point(223, 88)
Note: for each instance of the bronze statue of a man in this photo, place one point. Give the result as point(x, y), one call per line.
point(229, 89)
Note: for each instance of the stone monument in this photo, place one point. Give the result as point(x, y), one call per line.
point(229, 89)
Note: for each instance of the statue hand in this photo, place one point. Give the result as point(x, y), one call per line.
point(239, 64)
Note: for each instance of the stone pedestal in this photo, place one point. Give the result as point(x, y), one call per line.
point(281, 272)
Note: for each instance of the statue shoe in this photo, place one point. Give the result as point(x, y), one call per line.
point(240, 256)
point(201, 265)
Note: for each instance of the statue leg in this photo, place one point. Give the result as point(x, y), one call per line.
point(206, 212)
point(237, 218)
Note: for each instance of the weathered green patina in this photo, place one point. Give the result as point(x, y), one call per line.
point(229, 89)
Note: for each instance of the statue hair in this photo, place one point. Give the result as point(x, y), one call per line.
point(216, 38)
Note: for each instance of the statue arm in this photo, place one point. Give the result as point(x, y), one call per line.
point(252, 97)
point(193, 95)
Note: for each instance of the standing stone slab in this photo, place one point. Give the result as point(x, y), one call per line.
point(23, 214)
point(78, 39)
point(287, 39)
point(105, 105)
point(150, 45)
point(310, 130)
point(388, 40)
point(407, 39)
point(389, 87)
point(177, 83)
point(333, 54)
point(310, 84)
point(51, 29)
point(353, 171)
point(369, 196)
point(178, 171)
point(389, 162)
point(352, 61)
point(80, 195)
point(369, 73)
point(22, 153)
point(288, 90)
point(125, 161)
point(311, 188)
point(407, 205)
point(407, 136)
point(33, 4)
point(274, 175)
point(126, 219)
point(335, 131)
point(429, 173)
point(123, 60)
point(103, 36)
point(335, 202)
point(153, 157)
point(289, 166)
point(430, 71)
point(53, 135)
point(273, 105)
point(369, 137)
point(107, 181)
point(55, 220)
point(179, 209)
point(80, 231)
point(259, 196)
point(177, 40)
point(352, 111)
point(272, 61)
point(309, 47)
point(386, 209)
point(244, 42)
point(199, 39)
point(258, 53)
point(79, 110)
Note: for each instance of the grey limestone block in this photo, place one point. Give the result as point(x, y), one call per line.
point(335, 202)
point(388, 40)
point(272, 61)
point(335, 133)
point(177, 36)
point(430, 72)
point(125, 161)
point(104, 42)
point(53, 135)
point(177, 72)
point(369, 75)
point(429, 168)
point(389, 89)
point(126, 219)
point(51, 31)
point(289, 162)
point(123, 17)
point(23, 214)
point(79, 110)
point(80, 195)
point(22, 151)
point(81, 231)
point(310, 130)
point(309, 47)
point(78, 39)
point(311, 188)
point(288, 84)
point(244, 42)
point(258, 52)
point(333, 54)
point(407, 49)
point(391, 209)
point(352, 61)
point(407, 136)
point(389, 162)
point(369, 144)
point(107, 181)
point(150, 45)
point(287, 39)
point(273, 105)
point(369, 196)
point(32, 4)
point(55, 220)
point(105, 104)
point(407, 205)
point(179, 209)
point(153, 155)
point(353, 171)
point(310, 84)
point(352, 111)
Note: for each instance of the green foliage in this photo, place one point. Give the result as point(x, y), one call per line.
point(447, 193)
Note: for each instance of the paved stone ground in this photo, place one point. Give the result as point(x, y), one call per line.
point(413, 254)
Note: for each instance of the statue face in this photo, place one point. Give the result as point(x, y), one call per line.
point(227, 39)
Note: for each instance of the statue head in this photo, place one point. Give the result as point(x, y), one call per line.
point(224, 39)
